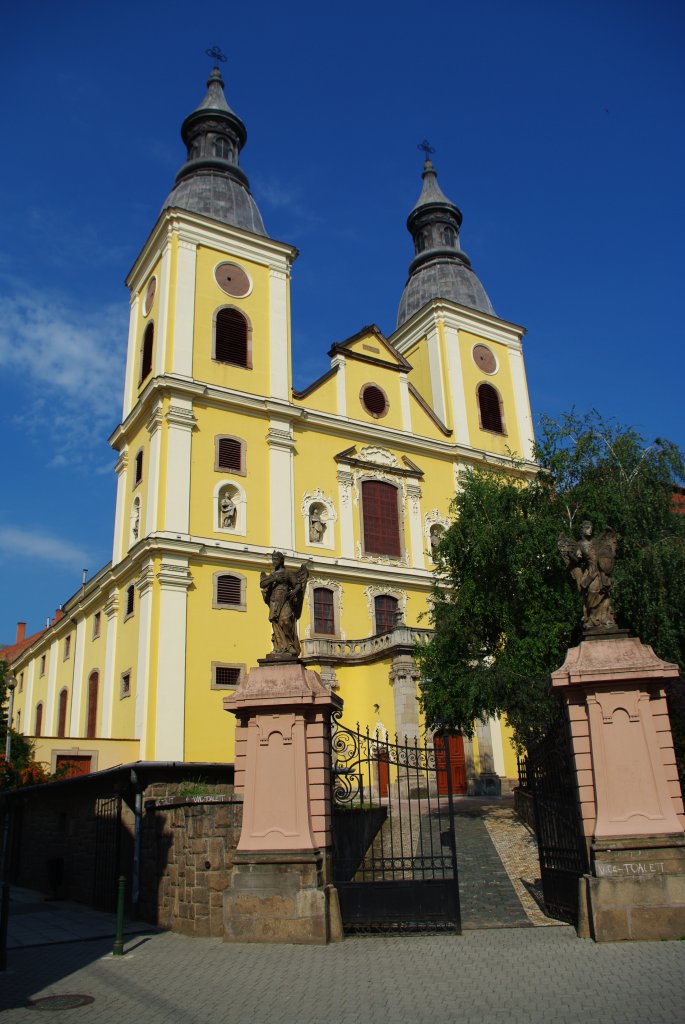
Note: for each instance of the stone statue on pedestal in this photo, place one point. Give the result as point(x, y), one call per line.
point(283, 591)
point(591, 562)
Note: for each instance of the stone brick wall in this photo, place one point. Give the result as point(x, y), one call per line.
point(188, 835)
point(188, 844)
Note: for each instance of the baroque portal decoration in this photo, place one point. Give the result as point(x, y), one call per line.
point(283, 590)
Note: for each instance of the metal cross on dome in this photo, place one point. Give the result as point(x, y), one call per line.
point(215, 53)
point(426, 147)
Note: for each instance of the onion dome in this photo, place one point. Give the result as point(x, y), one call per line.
point(211, 182)
point(440, 268)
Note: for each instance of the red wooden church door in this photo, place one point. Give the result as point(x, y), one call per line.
point(457, 763)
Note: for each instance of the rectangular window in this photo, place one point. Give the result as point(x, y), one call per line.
point(20, 687)
point(381, 519)
point(225, 676)
point(125, 685)
point(96, 625)
point(130, 597)
point(230, 455)
point(139, 467)
point(229, 591)
point(67, 647)
point(42, 665)
point(324, 617)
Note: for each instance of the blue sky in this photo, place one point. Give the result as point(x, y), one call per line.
point(558, 132)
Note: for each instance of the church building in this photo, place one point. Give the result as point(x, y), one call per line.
point(221, 461)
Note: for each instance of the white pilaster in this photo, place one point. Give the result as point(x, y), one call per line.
point(404, 402)
point(108, 690)
point(29, 712)
point(120, 469)
point(49, 722)
point(435, 370)
point(456, 386)
point(278, 315)
point(77, 685)
point(181, 422)
point(497, 745)
point(174, 581)
point(144, 585)
point(282, 483)
point(154, 429)
point(161, 332)
point(415, 533)
point(341, 384)
point(131, 352)
point(523, 417)
point(184, 312)
point(346, 513)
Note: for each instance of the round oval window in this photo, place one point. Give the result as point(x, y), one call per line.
point(374, 400)
point(484, 359)
point(233, 280)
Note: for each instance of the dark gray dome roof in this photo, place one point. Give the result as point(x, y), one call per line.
point(218, 196)
point(442, 279)
point(211, 182)
point(440, 268)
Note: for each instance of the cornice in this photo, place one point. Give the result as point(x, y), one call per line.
point(170, 386)
point(195, 229)
point(460, 318)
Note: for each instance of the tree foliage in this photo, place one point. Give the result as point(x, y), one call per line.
point(505, 609)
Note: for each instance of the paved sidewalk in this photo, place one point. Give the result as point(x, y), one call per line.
point(517, 976)
point(37, 921)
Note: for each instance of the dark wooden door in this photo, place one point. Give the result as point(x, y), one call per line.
point(457, 763)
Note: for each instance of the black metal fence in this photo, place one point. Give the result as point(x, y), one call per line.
point(394, 844)
point(550, 776)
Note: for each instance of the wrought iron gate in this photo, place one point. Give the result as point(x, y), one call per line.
point(551, 778)
point(394, 843)
point(107, 851)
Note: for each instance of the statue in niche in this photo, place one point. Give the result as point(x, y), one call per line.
point(283, 591)
point(591, 561)
point(135, 529)
point(228, 510)
point(436, 533)
point(317, 526)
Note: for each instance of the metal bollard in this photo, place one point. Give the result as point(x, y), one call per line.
point(118, 948)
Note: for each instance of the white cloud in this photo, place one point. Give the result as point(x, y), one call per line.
point(25, 544)
point(69, 365)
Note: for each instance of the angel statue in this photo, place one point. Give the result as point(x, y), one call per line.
point(283, 591)
point(591, 562)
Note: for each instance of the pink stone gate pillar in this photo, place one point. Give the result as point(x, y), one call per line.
point(631, 806)
point(280, 884)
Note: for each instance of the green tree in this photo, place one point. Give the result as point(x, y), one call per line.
point(505, 609)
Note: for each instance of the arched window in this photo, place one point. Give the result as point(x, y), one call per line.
point(92, 713)
point(139, 467)
point(130, 600)
point(449, 236)
point(146, 352)
point(38, 725)
point(420, 242)
point(229, 591)
point(232, 338)
point(324, 615)
point(222, 148)
point(62, 714)
point(385, 612)
point(381, 519)
point(490, 409)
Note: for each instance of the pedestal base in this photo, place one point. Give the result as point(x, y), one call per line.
point(636, 889)
point(280, 897)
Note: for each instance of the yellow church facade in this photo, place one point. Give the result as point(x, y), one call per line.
point(221, 462)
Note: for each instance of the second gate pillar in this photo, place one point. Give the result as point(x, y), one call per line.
point(280, 886)
point(631, 806)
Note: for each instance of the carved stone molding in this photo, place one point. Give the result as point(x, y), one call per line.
point(178, 416)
